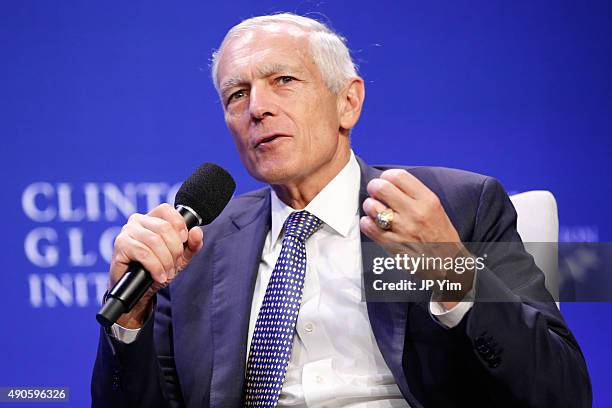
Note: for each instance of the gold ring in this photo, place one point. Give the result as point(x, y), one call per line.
point(384, 219)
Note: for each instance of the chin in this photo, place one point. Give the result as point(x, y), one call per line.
point(271, 175)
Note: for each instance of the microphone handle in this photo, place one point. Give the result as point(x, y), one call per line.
point(135, 282)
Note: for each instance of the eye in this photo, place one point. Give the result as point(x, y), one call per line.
point(236, 95)
point(285, 79)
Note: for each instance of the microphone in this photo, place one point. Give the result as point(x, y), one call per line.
point(200, 200)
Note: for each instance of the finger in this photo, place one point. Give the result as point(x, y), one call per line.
point(194, 245)
point(390, 241)
point(166, 231)
point(372, 231)
point(406, 182)
point(391, 196)
point(127, 249)
point(167, 212)
point(156, 245)
point(372, 207)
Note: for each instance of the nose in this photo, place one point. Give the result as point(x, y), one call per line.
point(261, 103)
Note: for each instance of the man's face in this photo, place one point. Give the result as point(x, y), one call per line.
point(282, 116)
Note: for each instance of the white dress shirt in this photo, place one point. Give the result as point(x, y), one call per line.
point(335, 361)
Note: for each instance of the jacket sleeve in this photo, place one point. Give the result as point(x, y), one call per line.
point(516, 333)
point(141, 373)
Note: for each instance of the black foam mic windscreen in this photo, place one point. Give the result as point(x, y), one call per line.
point(207, 191)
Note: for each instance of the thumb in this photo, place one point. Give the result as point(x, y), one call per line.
point(195, 241)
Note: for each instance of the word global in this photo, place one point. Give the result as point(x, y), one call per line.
point(44, 246)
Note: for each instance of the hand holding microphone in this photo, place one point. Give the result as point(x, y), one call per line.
point(156, 241)
point(151, 249)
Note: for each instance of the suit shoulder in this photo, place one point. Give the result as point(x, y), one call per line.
point(237, 207)
point(459, 176)
point(462, 193)
point(445, 178)
point(248, 198)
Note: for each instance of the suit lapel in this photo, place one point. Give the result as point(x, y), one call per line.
point(236, 264)
point(388, 319)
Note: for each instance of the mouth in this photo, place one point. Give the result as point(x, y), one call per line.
point(263, 141)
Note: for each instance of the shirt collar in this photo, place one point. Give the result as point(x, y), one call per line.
point(335, 205)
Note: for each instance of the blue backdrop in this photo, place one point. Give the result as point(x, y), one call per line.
point(106, 105)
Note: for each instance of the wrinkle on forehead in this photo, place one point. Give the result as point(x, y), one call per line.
point(254, 45)
point(262, 71)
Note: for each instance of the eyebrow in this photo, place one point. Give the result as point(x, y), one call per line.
point(263, 71)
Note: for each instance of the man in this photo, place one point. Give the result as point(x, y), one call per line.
point(269, 310)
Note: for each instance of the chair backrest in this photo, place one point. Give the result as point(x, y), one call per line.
point(538, 222)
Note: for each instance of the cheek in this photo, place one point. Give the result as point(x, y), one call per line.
point(326, 125)
point(324, 111)
point(238, 132)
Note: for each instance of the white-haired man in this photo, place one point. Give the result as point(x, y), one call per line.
point(269, 311)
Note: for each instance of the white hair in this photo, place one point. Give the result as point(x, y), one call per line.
point(328, 49)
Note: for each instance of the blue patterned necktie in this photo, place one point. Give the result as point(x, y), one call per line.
point(273, 336)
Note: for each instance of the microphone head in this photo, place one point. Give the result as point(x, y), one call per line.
point(207, 191)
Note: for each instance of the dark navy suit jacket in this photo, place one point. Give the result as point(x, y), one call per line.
point(517, 352)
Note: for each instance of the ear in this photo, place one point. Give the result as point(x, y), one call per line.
point(350, 101)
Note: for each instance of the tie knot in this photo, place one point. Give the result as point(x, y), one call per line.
point(301, 224)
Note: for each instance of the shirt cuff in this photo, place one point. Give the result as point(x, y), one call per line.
point(122, 334)
point(450, 318)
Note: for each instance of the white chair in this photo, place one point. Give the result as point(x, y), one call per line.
point(538, 222)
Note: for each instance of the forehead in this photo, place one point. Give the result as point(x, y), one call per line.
point(259, 50)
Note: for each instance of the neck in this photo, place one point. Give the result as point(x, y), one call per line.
point(298, 194)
